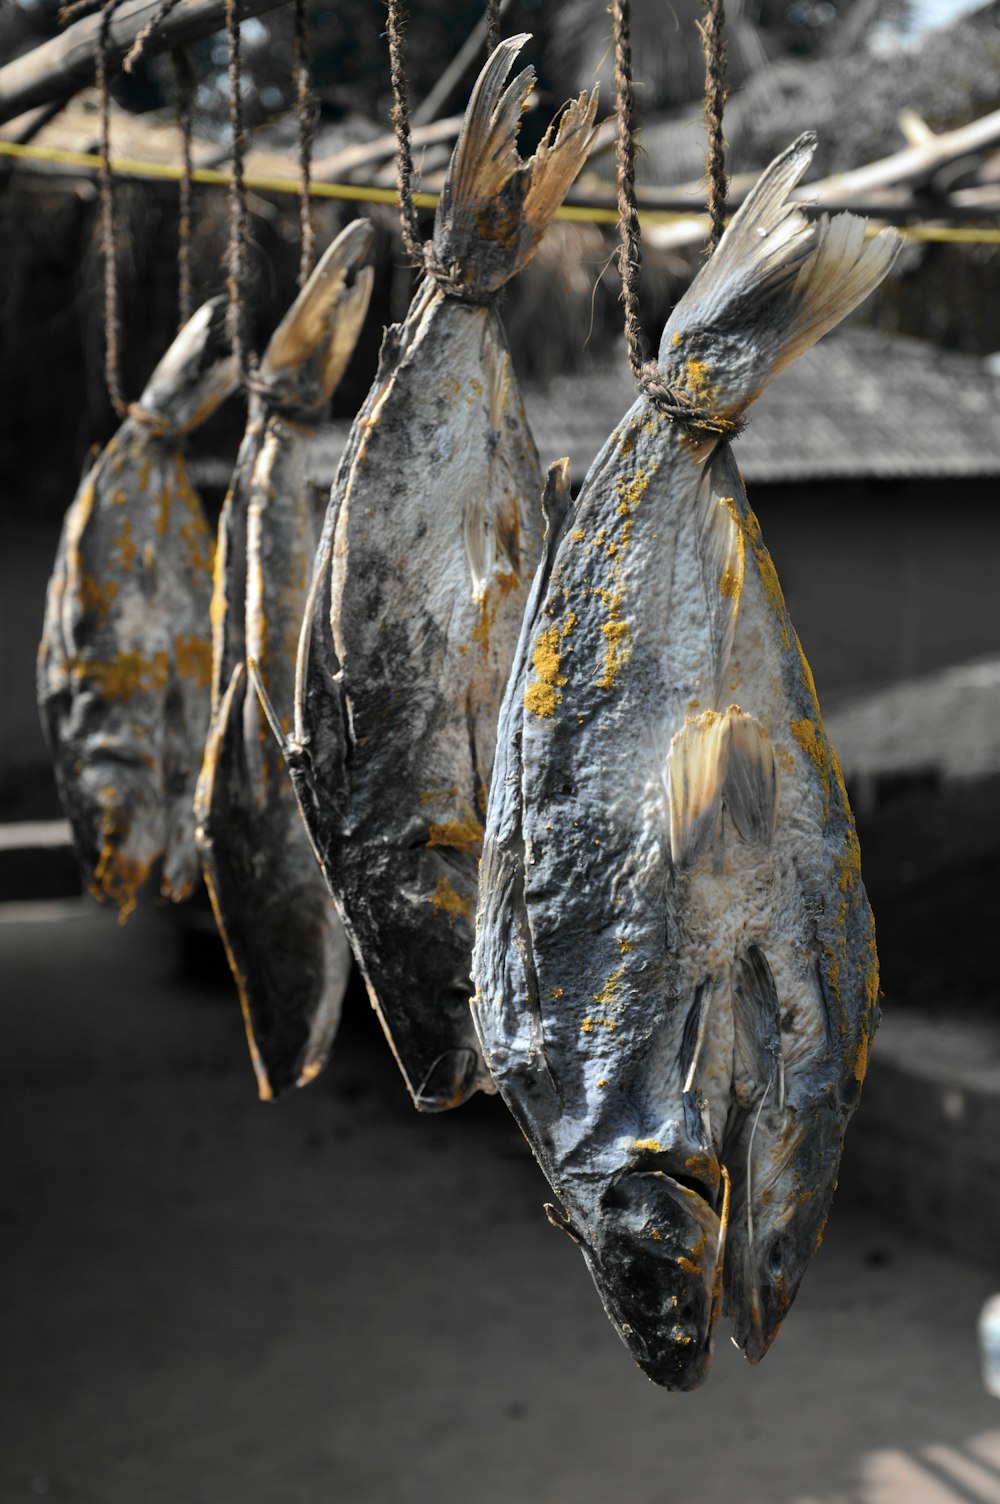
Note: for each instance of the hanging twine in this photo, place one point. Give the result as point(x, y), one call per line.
point(306, 104)
point(714, 47)
point(184, 76)
point(68, 13)
point(630, 254)
point(408, 224)
point(109, 240)
point(160, 14)
point(237, 265)
point(673, 402)
point(492, 14)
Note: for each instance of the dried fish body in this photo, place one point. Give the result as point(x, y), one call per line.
point(286, 945)
point(432, 536)
point(675, 963)
point(124, 662)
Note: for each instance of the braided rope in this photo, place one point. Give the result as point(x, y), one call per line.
point(670, 400)
point(408, 223)
point(184, 75)
point(492, 16)
point(630, 253)
point(109, 239)
point(714, 47)
point(237, 266)
point(306, 104)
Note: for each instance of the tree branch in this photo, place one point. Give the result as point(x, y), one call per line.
point(58, 68)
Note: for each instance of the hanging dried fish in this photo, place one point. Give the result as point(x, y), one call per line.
point(433, 533)
point(675, 961)
point(286, 945)
point(125, 659)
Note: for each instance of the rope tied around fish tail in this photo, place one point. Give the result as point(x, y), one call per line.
point(184, 78)
point(713, 42)
point(109, 238)
point(237, 263)
point(670, 400)
point(408, 223)
point(305, 100)
point(491, 14)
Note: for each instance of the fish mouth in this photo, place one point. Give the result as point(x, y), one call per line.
point(654, 1260)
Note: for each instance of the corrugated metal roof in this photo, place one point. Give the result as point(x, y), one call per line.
point(858, 406)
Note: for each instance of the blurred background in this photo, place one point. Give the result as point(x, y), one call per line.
point(207, 1299)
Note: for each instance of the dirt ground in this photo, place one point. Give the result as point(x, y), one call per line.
point(209, 1301)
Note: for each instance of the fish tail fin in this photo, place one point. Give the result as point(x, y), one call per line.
point(776, 283)
point(309, 351)
point(196, 374)
point(840, 272)
point(494, 207)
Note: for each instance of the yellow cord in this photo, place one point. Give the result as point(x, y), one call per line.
point(361, 193)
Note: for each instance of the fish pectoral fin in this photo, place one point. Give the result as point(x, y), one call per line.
point(757, 1062)
point(696, 765)
point(751, 786)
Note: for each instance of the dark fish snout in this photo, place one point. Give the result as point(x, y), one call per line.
point(654, 1262)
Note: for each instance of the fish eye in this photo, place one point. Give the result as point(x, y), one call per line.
point(776, 1256)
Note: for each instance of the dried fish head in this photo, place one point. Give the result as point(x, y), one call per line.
point(779, 1211)
point(654, 1260)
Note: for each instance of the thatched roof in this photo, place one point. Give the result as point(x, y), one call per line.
point(860, 405)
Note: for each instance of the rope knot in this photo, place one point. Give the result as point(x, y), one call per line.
point(449, 280)
point(675, 404)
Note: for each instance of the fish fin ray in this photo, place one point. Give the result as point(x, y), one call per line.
point(696, 764)
point(788, 278)
point(315, 340)
point(494, 207)
point(751, 786)
point(723, 552)
point(840, 272)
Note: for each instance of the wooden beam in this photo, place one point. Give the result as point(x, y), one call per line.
point(65, 64)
